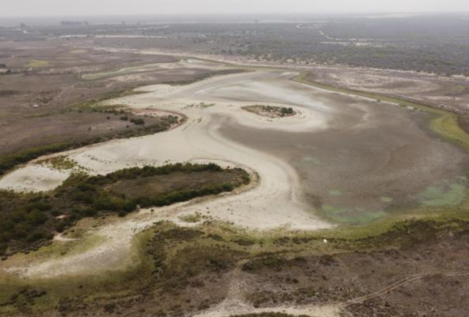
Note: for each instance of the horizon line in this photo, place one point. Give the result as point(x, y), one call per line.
point(91, 15)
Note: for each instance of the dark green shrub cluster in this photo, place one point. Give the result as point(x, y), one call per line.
point(110, 111)
point(89, 190)
point(24, 221)
point(29, 219)
point(149, 171)
point(137, 121)
point(287, 111)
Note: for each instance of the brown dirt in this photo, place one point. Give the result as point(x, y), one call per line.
point(144, 187)
point(422, 274)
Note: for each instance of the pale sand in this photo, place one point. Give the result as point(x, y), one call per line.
point(311, 311)
point(33, 178)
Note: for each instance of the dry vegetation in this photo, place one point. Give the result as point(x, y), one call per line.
point(419, 269)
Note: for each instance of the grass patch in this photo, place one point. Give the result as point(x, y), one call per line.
point(78, 51)
point(335, 192)
point(194, 218)
point(35, 63)
point(60, 163)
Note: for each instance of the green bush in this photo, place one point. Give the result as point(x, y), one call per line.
point(138, 121)
point(31, 218)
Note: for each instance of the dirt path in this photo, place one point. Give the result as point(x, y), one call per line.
point(400, 283)
point(236, 302)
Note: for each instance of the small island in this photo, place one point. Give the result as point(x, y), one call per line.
point(271, 111)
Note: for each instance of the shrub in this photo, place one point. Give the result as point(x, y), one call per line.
point(138, 121)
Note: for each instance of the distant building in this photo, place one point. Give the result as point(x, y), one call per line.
point(73, 23)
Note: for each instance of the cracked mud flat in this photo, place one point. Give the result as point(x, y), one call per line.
point(281, 199)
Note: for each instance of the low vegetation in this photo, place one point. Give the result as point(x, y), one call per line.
point(30, 220)
point(38, 63)
point(271, 111)
point(177, 264)
point(9, 162)
point(189, 267)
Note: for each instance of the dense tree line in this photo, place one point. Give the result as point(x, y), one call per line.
point(437, 44)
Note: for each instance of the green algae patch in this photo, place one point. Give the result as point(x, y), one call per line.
point(312, 160)
point(444, 124)
point(335, 192)
point(352, 216)
point(35, 63)
point(443, 195)
point(385, 199)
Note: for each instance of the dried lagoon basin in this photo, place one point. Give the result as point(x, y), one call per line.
point(374, 159)
point(350, 159)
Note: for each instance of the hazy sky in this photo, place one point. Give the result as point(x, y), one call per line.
point(13, 8)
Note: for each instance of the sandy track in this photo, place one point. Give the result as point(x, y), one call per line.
point(237, 303)
point(275, 202)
